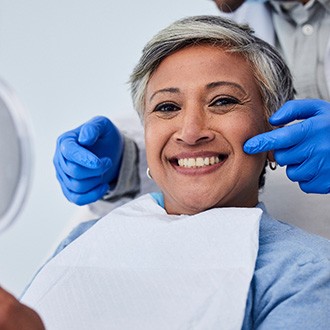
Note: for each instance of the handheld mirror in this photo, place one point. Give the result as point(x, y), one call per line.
point(15, 156)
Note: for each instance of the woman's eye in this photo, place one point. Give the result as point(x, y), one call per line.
point(166, 107)
point(224, 101)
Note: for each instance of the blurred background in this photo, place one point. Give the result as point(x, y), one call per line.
point(68, 61)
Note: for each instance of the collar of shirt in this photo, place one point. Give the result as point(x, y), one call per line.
point(297, 12)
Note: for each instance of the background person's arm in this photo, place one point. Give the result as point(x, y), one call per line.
point(131, 179)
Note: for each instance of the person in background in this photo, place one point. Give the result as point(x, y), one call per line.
point(96, 161)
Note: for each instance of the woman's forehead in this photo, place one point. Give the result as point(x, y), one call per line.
point(202, 64)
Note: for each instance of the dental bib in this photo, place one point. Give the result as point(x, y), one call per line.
point(140, 268)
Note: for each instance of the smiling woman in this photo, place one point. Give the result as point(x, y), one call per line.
point(204, 253)
point(228, 85)
point(201, 118)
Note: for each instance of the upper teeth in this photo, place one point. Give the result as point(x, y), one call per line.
point(199, 161)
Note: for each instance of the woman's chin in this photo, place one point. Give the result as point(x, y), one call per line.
point(191, 204)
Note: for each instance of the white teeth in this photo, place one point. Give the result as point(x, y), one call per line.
point(198, 162)
point(191, 162)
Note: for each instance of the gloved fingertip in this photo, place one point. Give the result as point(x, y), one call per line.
point(83, 141)
point(251, 146)
point(275, 119)
point(87, 136)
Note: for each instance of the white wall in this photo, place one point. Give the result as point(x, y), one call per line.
point(68, 60)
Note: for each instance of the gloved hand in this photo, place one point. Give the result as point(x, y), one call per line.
point(87, 159)
point(303, 146)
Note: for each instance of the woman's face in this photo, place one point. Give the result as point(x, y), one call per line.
point(201, 105)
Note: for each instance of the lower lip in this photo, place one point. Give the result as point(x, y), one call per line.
point(198, 170)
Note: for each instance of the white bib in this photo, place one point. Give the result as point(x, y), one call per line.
point(140, 268)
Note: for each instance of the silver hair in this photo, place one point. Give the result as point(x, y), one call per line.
point(270, 71)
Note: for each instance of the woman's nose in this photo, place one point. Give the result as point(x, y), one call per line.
point(194, 128)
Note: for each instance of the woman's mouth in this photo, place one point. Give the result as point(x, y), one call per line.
point(197, 162)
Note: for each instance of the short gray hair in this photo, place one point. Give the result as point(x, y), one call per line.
point(270, 71)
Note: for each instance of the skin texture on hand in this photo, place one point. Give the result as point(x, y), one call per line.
point(304, 147)
point(17, 316)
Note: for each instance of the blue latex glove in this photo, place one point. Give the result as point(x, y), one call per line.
point(304, 146)
point(87, 159)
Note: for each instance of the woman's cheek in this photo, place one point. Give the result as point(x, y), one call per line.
point(154, 142)
point(250, 127)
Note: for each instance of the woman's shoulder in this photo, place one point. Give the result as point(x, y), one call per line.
point(277, 238)
point(291, 278)
point(290, 257)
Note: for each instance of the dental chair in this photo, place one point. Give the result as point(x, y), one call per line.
point(284, 199)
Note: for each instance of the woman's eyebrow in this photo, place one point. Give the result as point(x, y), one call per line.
point(165, 90)
point(216, 84)
point(211, 85)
